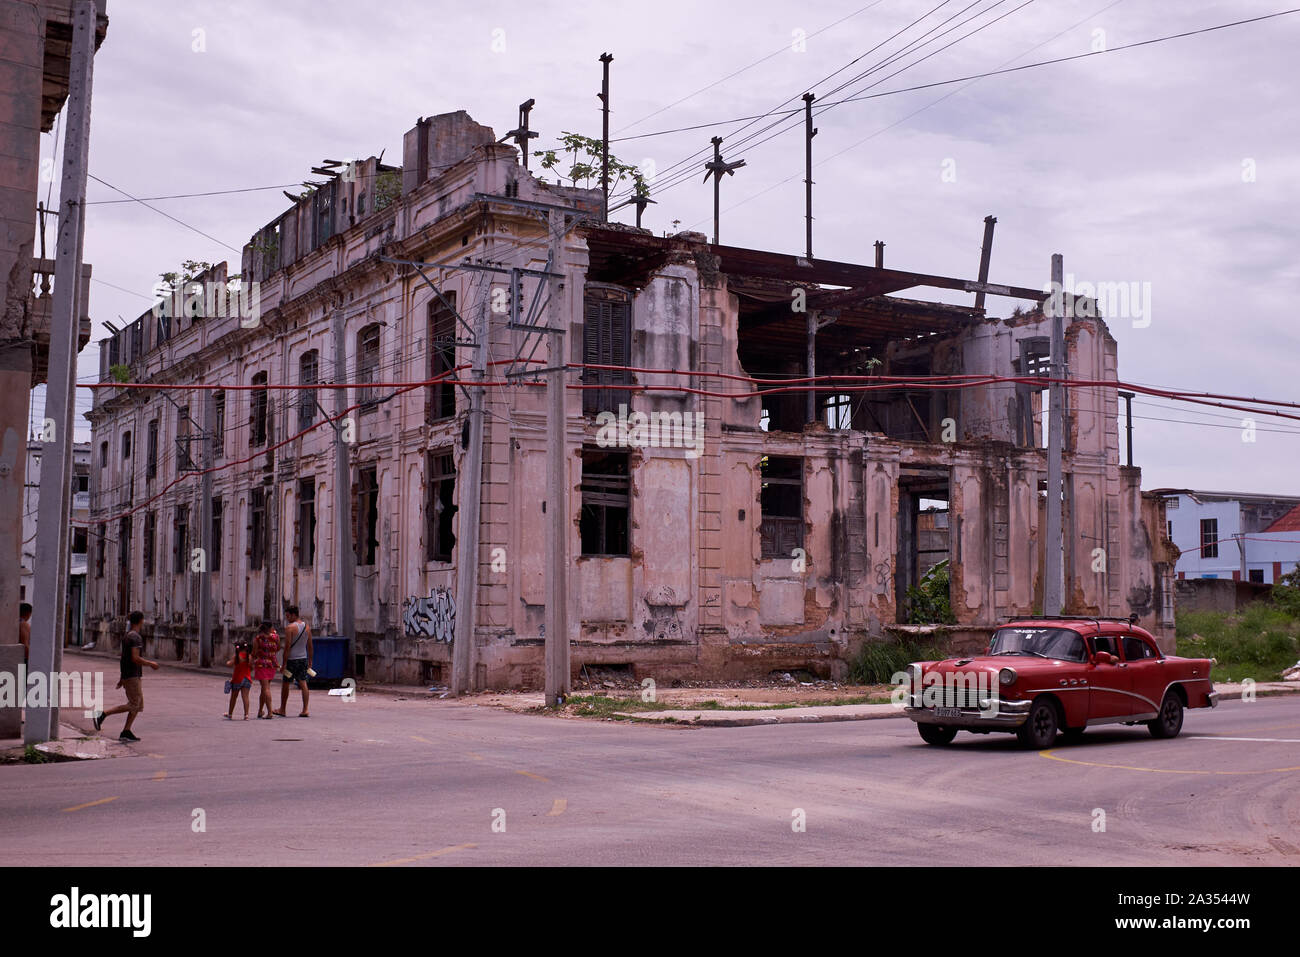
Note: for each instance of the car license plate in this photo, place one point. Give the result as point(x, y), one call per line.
point(947, 712)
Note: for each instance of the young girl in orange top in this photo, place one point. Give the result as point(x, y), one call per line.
point(239, 682)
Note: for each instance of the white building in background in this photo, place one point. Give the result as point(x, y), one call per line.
point(1237, 535)
point(75, 607)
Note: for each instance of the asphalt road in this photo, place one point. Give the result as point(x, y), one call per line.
point(389, 781)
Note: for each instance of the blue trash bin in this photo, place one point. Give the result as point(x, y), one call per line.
point(329, 658)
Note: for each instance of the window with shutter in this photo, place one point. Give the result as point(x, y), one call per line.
point(606, 341)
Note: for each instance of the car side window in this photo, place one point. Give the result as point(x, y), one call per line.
point(1106, 643)
point(1135, 649)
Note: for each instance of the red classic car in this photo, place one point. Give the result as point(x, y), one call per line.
point(1044, 676)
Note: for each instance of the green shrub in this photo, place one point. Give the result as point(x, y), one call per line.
point(930, 602)
point(878, 661)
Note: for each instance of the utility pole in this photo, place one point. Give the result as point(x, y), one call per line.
point(344, 570)
point(467, 542)
point(54, 510)
point(205, 532)
point(1054, 585)
point(809, 133)
point(716, 167)
point(605, 59)
point(557, 497)
point(1128, 414)
point(986, 253)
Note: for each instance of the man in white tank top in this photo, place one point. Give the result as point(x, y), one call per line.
point(297, 659)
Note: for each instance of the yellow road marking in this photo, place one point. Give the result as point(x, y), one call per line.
point(557, 808)
point(1130, 767)
point(158, 756)
point(425, 857)
point(159, 775)
point(81, 807)
point(535, 777)
point(416, 737)
point(476, 757)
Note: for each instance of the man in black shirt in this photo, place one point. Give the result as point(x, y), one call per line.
point(133, 663)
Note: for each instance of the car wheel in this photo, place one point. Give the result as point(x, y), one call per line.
point(1170, 720)
point(936, 733)
point(1039, 729)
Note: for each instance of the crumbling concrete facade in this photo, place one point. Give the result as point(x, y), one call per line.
point(717, 529)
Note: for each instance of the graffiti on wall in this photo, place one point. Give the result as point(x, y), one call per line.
point(432, 617)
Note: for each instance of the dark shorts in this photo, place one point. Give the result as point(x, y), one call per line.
point(297, 668)
point(231, 686)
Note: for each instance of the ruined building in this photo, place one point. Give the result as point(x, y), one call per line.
point(718, 527)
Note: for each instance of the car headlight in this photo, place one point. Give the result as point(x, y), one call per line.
point(1007, 676)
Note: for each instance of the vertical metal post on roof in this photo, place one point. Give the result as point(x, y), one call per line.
point(880, 254)
point(1054, 585)
point(605, 59)
point(986, 253)
point(54, 509)
point(521, 134)
point(809, 133)
point(716, 168)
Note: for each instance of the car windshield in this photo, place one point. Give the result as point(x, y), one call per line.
point(1060, 643)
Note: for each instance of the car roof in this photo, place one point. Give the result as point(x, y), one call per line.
point(1085, 626)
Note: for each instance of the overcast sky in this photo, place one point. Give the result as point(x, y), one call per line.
point(1171, 166)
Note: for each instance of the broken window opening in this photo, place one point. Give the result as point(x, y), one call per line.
point(781, 527)
point(151, 451)
point(440, 399)
point(257, 412)
point(126, 444)
point(256, 529)
point(184, 461)
point(150, 541)
point(218, 510)
point(605, 522)
point(440, 507)
point(922, 582)
point(367, 363)
point(838, 411)
point(606, 340)
point(365, 516)
point(101, 534)
point(308, 374)
point(180, 539)
point(306, 544)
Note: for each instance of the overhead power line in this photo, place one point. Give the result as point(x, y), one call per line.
point(973, 76)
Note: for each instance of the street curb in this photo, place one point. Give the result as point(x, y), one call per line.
point(718, 719)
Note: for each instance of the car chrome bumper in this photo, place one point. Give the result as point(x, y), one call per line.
point(1212, 699)
point(1010, 714)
